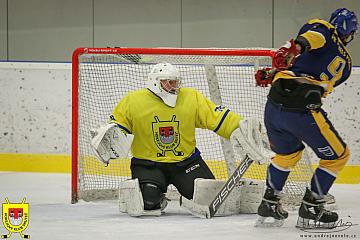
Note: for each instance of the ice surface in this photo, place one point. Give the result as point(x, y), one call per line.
point(53, 217)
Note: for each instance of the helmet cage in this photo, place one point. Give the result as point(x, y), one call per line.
point(171, 86)
point(160, 82)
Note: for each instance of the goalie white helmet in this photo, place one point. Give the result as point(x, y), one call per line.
point(164, 80)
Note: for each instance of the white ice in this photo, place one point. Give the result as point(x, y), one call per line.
point(52, 216)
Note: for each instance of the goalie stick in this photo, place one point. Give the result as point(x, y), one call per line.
point(204, 211)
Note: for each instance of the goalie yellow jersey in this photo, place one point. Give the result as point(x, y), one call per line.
point(166, 134)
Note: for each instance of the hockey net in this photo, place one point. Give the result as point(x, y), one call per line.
point(102, 76)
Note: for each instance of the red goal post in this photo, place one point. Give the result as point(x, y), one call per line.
point(95, 71)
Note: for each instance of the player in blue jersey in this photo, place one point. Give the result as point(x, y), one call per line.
point(306, 70)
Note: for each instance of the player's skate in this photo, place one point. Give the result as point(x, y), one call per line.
point(270, 211)
point(312, 213)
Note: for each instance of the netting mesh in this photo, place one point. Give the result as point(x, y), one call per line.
point(228, 80)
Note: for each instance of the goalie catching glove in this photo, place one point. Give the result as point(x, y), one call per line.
point(109, 142)
point(250, 139)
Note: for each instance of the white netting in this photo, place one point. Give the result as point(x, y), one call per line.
point(105, 78)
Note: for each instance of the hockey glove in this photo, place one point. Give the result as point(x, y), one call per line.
point(285, 56)
point(109, 142)
point(250, 139)
point(265, 76)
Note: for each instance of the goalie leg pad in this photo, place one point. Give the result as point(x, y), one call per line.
point(206, 189)
point(244, 198)
point(251, 195)
point(131, 200)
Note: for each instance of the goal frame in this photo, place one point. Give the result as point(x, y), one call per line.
point(144, 51)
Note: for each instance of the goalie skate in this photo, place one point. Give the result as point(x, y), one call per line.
point(312, 213)
point(270, 211)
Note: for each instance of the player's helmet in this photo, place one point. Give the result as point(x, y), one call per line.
point(164, 80)
point(345, 22)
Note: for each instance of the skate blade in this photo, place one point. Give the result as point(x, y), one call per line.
point(265, 222)
point(305, 223)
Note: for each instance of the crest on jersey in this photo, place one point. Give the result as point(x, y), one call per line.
point(166, 136)
point(15, 217)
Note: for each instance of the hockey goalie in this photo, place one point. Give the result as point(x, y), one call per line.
point(158, 125)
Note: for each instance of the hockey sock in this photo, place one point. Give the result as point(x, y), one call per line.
point(276, 178)
point(321, 182)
